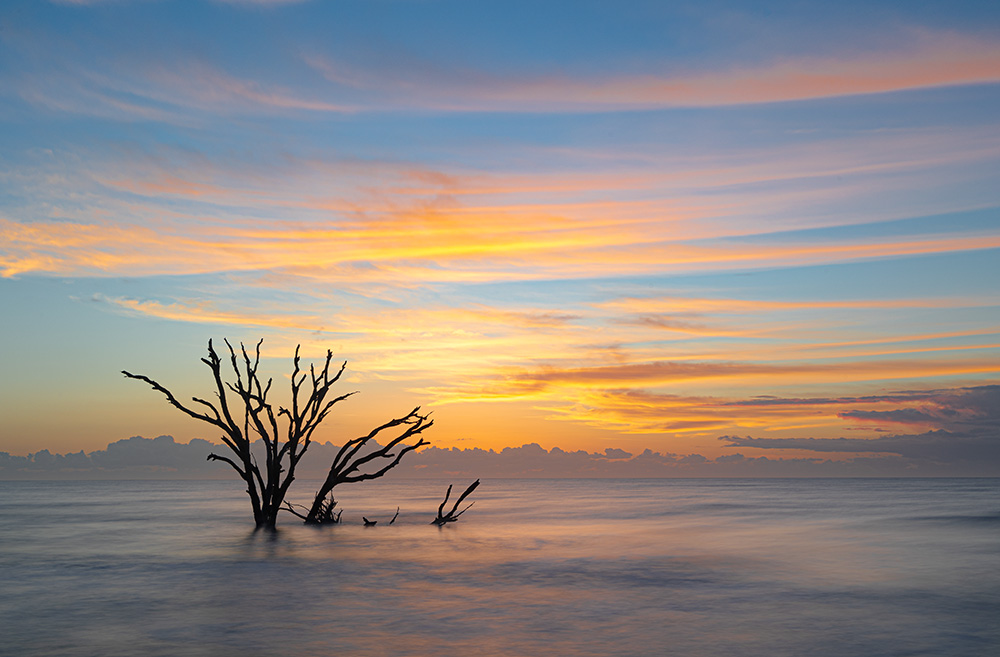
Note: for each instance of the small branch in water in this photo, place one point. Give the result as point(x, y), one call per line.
point(395, 516)
point(452, 516)
point(291, 508)
point(325, 513)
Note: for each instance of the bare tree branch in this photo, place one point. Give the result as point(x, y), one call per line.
point(173, 400)
point(291, 508)
point(216, 457)
point(347, 465)
point(452, 516)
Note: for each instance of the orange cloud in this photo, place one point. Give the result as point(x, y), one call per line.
point(563, 388)
point(667, 372)
point(410, 224)
point(619, 399)
point(636, 411)
point(411, 343)
point(528, 248)
point(547, 359)
point(700, 305)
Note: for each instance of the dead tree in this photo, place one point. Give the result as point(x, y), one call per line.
point(243, 414)
point(357, 457)
point(444, 518)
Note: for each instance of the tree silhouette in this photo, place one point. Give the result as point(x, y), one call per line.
point(242, 412)
point(452, 516)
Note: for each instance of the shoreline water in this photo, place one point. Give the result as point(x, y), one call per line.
point(566, 567)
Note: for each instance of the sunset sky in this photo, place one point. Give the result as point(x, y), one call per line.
point(586, 225)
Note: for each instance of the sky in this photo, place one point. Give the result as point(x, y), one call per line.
point(702, 228)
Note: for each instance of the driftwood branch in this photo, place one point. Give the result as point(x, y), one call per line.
point(444, 518)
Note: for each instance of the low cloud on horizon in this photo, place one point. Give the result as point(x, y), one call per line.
point(932, 454)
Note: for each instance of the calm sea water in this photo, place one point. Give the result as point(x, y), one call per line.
point(554, 567)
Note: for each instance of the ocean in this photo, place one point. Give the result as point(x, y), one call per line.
point(707, 567)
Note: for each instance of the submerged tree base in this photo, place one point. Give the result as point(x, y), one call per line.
point(326, 513)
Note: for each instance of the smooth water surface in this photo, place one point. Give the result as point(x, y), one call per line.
point(537, 567)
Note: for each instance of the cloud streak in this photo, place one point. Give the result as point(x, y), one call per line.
point(528, 248)
point(934, 446)
point(633, 398)
point(187, 90)
point(170, 213)
point(975, 410)
point(933, 60)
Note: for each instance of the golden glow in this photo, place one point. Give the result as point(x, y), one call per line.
point(625, 273)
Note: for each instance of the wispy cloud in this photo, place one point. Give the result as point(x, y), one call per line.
point(228, 2)
point(974, 410)
point(617, 234)
point(203, 86)
point(522, 250)
point(551, 358)
point(184, 90)
point(366, 245)
point(647, 374)
point(939, 446)
point(933, 60)
point(406, 222)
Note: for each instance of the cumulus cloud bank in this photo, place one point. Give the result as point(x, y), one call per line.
point(164, 458)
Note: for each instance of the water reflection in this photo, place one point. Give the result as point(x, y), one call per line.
point(537, 567)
